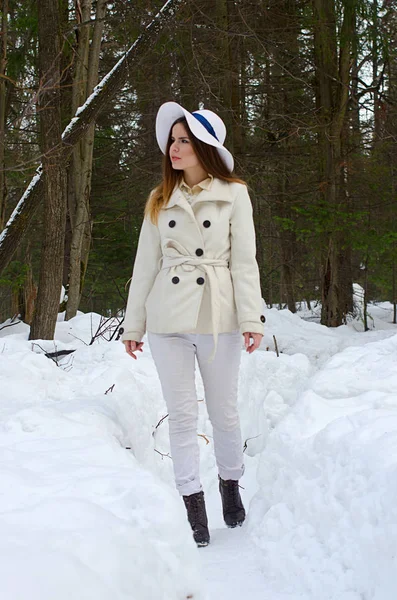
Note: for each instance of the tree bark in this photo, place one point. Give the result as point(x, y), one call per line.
point(285, 105)
point(375, 68)
point(394, 288)
point(50, 279)
point(24, 297)
point(85, 80)
point(3, 94)
point(333, 78)
point(104, 92)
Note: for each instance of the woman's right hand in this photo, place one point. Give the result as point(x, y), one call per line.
point(131, 347)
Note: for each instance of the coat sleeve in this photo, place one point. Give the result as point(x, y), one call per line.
point(243, 266)
point(146, 268)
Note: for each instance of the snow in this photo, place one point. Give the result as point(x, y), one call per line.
point(25, 198)
point(328, 481)
point(72, 123)
point(88, 508)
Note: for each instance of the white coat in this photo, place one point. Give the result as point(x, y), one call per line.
point(196, 271)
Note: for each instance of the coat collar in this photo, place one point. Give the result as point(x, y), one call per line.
point(217, 191)
point(203, 185)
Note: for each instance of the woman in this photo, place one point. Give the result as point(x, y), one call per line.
point(195, 289)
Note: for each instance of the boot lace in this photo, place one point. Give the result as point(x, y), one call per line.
point(195, 509)
point(232, 495)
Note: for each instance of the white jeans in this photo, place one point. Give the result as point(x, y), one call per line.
point(174, 356)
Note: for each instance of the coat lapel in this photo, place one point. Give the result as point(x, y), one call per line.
point(177, 198)
point(218, 192)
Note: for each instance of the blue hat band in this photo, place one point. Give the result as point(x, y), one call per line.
point(206, 124)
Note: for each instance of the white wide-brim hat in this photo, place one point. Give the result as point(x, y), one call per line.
point(204, 125)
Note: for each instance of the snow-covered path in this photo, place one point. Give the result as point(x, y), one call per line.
point(89, 511)
point(232, 563)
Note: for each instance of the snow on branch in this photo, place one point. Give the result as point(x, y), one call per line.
point(21, 218)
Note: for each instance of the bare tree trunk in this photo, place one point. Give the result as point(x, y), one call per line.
point(333, 77)
point(287, 239)
point(3, 93)
point(394, 288)
point(375, 66)
point(390, 27)
point(84, 83)
point(24, 212)
point(50, 280)
point(29, 291)
point(24, 296)
point(393, 250)
point(394, 247)
point(284, 102)
point(354, 97)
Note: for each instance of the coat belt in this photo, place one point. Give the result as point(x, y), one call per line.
point(179, 257)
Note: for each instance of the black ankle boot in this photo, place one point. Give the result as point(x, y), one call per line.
point(233, 509)
point(197, 517)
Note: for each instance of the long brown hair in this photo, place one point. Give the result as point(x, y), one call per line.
point(210, 161)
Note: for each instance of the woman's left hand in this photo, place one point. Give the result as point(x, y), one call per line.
point(256, 337)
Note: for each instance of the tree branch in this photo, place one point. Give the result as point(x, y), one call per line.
point(22, 216)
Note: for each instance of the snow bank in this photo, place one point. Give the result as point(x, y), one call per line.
point(325, 515)
point(82, 515)
point(302, 333)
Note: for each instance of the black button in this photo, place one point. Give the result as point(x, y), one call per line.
point(207, 224)
point(200, 280)
point(172, 223)
point(121, 330)
point(199, 252)
point(263, 318)
point(175, 280)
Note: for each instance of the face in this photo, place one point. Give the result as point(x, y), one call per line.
point(182, 154)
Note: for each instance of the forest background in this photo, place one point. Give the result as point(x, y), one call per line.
point(308, 92)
